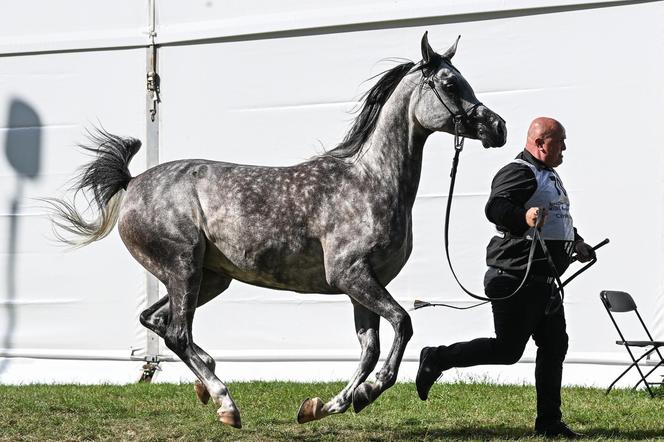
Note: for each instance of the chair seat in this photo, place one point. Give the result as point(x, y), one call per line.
point(641, 343)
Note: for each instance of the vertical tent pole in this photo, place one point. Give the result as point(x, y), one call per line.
point(152, 159)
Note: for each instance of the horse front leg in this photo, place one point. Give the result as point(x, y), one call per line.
point(360, 284)
point(367, 392)
point(366, 327)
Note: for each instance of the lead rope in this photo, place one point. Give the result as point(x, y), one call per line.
point(536, 238)
point(458, 147)
point(557, 288)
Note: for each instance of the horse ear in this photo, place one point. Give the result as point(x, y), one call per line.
point(451, 51)
point(427, 52)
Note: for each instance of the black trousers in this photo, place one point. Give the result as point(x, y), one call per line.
point(515, 321)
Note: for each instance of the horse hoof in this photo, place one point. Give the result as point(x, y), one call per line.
point(230, 417)
point(362, 396)
point(201, 392)
point(311, 410)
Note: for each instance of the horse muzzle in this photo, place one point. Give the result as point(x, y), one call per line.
point(490, 128)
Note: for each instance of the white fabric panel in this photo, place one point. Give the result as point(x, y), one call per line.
point(39, 25)
point(54, 302)
point(202, 19)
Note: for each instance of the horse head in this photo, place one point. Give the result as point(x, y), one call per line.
point(446, 102)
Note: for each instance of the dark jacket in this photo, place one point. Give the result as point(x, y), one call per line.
point(511, 188)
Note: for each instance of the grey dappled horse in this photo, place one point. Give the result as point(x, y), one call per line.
point(337, 223)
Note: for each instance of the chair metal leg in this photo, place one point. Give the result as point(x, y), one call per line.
point(619, 377)
point(644, 379)
point(659, 364)
point(634, 364)
point(652, 395)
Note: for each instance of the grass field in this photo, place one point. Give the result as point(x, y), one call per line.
point(453, 412)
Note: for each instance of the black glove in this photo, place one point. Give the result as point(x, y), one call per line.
point(584, 252)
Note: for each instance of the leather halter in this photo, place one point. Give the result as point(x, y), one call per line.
point(459, 118)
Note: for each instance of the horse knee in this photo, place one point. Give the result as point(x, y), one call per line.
point(405, 327)
point(409, 330)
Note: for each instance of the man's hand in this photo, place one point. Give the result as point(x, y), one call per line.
point(584, 252)
point(531, 216)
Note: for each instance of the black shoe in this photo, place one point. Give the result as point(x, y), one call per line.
point(427, 374)
point(558, 429)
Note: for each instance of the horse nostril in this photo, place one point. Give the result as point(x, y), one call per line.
point(500, 128)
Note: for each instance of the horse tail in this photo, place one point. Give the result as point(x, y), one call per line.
point(105, 179)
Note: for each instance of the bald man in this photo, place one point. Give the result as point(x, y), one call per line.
point(518, 192)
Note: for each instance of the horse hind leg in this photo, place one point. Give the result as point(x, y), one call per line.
point(366, 327)
point(157, 316)
point(199, 388)
point(183, 288)
point(212, 285)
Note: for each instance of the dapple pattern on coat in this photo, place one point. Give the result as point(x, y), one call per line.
point(338, 223)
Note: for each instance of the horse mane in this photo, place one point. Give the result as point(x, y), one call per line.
point(374, 100)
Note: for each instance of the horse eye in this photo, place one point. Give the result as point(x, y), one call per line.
point(450, 84)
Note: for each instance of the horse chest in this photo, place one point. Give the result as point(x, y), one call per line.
point(388, 259)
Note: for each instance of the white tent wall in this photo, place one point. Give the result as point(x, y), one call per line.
point(281, 94)
point(274, 83)
point(61, 308)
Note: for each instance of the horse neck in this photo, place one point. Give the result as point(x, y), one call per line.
point(393, 153)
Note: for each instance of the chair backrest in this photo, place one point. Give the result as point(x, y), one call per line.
point(620, 302)
point(617, 301)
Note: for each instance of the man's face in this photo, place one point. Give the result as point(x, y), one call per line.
point(552, 147)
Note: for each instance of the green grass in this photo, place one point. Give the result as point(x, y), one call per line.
point(453, 412)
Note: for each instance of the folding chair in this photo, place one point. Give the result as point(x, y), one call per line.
point(621, 302)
